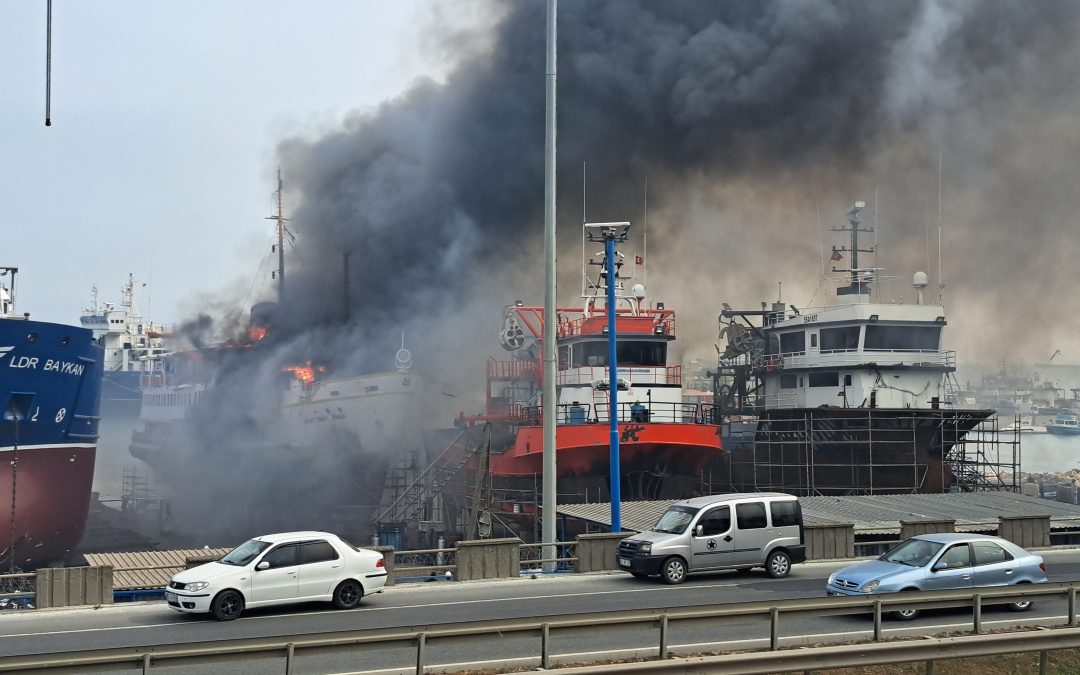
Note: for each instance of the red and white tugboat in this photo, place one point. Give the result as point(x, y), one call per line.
point(665, 443)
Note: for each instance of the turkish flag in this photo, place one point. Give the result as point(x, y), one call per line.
point(638, 260)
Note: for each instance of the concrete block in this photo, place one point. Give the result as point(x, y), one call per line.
point(597, 552)
point(824, 542)
point(389, 561)
point(1025, 531)
point(488, 559)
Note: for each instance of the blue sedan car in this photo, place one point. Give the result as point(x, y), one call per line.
point(931, 562)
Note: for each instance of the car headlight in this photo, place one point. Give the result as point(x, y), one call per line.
point(196, 586)
point(870, 586)
point(646, 548)
point(832, 578)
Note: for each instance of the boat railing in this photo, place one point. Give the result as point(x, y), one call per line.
point(787, 400)
point(635, 375)
point(840, 358)
point(629, 412)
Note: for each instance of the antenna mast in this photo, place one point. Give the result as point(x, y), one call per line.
point(859, 284)
point(281, 230)
point(645, 240)
point(940, 281)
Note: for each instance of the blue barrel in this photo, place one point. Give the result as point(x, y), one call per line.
point(577, 414)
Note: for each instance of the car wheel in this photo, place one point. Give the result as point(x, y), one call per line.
point(1020, 606)
point(906, 614)
point(227, 605)
point(348, 594)
point(673, 571)
point(778, 564)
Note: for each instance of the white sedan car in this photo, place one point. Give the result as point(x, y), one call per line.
point(279, 569)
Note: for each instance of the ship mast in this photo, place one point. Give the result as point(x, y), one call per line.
point(281, 230)
point(859, 283)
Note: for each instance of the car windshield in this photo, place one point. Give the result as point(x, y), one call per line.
point(913, 552)
point(675, 520)
point(244, 553)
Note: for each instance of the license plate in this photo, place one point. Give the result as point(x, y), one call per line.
point(623, 562)
point(170, 597)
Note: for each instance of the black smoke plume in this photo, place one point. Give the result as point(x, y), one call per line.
point(756, 123)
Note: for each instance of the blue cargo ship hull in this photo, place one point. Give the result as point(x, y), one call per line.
point(50, 390)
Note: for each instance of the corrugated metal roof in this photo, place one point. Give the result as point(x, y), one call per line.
point(872, 514)
point(149, 569)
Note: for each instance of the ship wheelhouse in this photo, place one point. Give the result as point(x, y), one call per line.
point(865, 355)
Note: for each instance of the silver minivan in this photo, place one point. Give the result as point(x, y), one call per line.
point(732, 531)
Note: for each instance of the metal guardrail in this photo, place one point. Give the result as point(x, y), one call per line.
point(248, 649)
point(17, 585)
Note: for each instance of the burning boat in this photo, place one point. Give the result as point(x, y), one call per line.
point(51, 378)
point(851, 398)
point(665, 443)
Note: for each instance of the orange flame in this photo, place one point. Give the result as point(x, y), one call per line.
point(306, 373)
point(256, 333)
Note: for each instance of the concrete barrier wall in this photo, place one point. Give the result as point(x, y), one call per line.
point(824, 542)
point(71, 586)
point(596, 552)
point(488, 559)
point(388, 561)
point(1026, 531)
point(910, 528)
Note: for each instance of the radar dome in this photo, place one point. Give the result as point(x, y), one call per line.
point(639, 291)
point(920, 280)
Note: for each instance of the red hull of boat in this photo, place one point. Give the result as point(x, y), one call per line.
point(52, 498)
point(583, 449)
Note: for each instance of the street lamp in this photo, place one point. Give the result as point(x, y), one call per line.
point(610, 234)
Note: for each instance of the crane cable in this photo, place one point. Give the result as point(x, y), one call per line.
point(48, 64)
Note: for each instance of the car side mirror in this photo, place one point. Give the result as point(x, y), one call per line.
point(938, 566)
point(263, 566)
point(699, 530)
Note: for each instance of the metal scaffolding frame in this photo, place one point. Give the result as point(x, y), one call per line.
point(865, 451)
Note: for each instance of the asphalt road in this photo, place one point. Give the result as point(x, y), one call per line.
point(144, 624)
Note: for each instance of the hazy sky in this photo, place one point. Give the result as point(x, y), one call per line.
point(166, 118)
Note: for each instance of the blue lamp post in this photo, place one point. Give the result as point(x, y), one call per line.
point(610, 233)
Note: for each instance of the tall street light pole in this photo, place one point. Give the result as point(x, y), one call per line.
point(550, 348)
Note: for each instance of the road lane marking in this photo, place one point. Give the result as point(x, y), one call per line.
point(631, 652)
point(369, 609)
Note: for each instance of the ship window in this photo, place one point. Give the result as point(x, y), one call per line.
point(813, 339)
point(564, 357)
point(789, 381)
point(924, 338)
point(847, 380)
point(793, 343)
point(751, 516)
point(825, 379)
point(631, 353)
point(845, 338)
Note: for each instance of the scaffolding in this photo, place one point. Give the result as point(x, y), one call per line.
point(866, 451)
point(143, 510)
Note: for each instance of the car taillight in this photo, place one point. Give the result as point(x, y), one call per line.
point(1042, 566)
point(380, 563)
